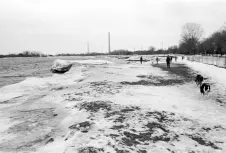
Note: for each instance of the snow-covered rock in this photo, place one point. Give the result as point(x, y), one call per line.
point(61, 66)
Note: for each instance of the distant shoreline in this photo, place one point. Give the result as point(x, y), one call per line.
point(99, 54)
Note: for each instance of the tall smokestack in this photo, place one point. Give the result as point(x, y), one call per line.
point(109, 43)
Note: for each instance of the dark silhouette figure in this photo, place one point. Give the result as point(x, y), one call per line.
point(176, 59)
point(157, 60)
point(141, 60)
point(168, 60)
point(182, 57)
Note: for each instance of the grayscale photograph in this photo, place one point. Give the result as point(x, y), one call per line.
point(112, 76)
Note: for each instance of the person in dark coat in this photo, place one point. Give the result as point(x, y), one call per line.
point(141, 60)
point(157, 60)
point(168, 59)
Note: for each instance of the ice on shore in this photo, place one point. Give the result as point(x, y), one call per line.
point(33, 83)
point(136, 58)
point(92, 62)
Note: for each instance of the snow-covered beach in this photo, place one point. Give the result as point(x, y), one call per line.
point(114, 106)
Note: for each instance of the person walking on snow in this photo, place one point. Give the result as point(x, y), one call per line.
point(157, 60)
point(168, 59)
point(141, 60)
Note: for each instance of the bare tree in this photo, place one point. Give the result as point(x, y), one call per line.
point(191, 36)
point(192, 31)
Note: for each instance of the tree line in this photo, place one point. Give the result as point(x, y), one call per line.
point(192, 42)
point(25, 54)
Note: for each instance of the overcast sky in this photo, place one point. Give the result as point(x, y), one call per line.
point(65, 26)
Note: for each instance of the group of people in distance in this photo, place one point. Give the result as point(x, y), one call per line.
point(141, 60)
point(168, 60)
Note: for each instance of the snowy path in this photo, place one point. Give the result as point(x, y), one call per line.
point(117, 108)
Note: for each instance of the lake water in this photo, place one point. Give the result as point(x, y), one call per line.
point(14, 70)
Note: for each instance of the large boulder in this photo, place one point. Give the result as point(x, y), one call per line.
point(61, 66)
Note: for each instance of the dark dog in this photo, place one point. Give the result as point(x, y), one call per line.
point(205, 87)
point(198, 79)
